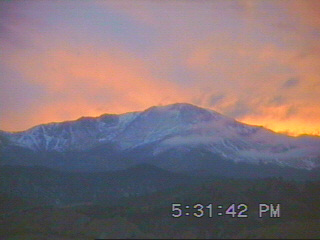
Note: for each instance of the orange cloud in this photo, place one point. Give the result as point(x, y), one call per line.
point(245, 85)
point(90, 82)
point(209, 54)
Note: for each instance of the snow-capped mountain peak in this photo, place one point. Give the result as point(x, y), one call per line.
point(175, 126)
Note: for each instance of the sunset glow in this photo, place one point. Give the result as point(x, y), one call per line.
point(255, 61)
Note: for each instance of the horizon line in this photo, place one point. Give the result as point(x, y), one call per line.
point(287, 133)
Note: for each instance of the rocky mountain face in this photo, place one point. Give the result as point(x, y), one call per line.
point(166, 136)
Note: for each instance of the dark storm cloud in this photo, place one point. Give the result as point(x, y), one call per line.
point(292, 82)
point(239, 109)
point(277, 100)
point(291, 111)
point(216, 99)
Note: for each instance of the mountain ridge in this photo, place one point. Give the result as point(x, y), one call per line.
point(159, 129)
point(147, 109)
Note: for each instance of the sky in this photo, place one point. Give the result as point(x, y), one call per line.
point(255, 61)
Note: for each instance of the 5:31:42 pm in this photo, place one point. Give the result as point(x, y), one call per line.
point(199, 210)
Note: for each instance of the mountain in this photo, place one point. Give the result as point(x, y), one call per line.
point(177, 137)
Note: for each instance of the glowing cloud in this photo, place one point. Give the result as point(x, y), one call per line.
point(61, 60)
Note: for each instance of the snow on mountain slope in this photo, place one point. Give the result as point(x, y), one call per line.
point(81, 134)
point(158, 123)
point(172, 127)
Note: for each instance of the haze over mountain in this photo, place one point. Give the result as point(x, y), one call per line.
point(178, 137)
